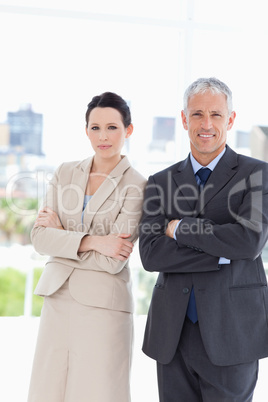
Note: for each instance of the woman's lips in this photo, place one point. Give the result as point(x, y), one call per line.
point(104, 146)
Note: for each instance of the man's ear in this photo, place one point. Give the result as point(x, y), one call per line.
point(231, 120)
point(184, 120)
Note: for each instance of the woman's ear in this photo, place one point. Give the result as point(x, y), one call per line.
point(129, 130)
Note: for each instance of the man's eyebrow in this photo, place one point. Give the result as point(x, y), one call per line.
point(195, 110)
point(201, 111)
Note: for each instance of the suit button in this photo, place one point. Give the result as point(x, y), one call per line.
point(185, 290)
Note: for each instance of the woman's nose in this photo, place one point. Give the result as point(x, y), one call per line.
point(103, 135)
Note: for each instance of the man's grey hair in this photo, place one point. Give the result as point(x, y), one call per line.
point(203, 85)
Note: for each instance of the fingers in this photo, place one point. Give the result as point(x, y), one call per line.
point(46, 209)
point(124, 235)
point(48, 218)
point(171, 227)
point(45, 212)
point(122, 257)
point(126, 251)
point(124, 247)
point(41, 219)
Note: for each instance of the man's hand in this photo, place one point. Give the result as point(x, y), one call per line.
point(171, 227)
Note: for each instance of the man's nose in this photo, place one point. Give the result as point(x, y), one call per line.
point(206, 122)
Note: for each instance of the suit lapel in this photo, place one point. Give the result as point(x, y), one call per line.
point(185, 180)
point(104, 191)
point(221, 175)
point(77, 187)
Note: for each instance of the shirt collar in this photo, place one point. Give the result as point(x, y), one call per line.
point(196, 165)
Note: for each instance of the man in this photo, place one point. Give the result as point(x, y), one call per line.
point(208, 320)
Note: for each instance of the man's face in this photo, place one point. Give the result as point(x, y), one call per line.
point(207, 121)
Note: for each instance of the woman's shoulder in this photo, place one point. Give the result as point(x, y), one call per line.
point(71, 165)
point(133, 176)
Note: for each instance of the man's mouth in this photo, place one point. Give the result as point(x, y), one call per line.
point(206, 135)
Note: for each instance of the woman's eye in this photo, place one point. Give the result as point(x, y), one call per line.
point(94, 128)
point(112, 128)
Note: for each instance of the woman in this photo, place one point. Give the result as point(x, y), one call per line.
point(88, 226)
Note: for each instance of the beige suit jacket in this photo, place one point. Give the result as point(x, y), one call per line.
point(116, 207)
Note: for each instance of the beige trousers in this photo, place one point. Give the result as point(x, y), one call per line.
point(83, 353)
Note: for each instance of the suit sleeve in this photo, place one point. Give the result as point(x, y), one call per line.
point(246, 236)
point(159, 252)
point(51, 241)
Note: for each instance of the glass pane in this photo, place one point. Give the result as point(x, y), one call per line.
point(170, 10)
point(238, 59)
point(231, 13)
point(58, 70)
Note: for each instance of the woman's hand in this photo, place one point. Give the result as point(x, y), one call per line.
point(112, 245)
point(48, 218)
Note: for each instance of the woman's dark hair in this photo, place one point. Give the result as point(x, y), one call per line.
point(110, 99)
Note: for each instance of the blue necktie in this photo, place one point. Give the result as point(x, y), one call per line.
point(191, 312)
point(203, 175)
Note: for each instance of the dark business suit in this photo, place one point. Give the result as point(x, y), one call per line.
point(229, 220)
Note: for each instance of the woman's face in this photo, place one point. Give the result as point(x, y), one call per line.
point(106, 132)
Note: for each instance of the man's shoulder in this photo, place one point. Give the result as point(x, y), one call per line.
point(170, 170)
point(234, 159)
point(250, 161)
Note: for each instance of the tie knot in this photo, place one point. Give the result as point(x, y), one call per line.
point(203, 174)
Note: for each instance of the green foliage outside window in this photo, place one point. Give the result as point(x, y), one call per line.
point(17, 218)
point(37, 300)
point(12, 292)
point(12, 288)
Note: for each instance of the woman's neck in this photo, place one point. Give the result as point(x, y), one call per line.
point(104, 166)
